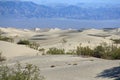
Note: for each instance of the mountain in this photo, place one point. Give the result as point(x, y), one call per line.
point(22, 9)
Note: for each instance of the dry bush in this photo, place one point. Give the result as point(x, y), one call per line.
point(29, 72)
point(55, 51)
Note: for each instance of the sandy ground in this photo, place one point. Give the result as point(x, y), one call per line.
point(66, 67)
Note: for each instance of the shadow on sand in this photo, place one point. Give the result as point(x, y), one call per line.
point(111, 73)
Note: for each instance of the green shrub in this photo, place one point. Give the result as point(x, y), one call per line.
point(71, 52)
point(55, 51)
point(32, 45)
point(42, 50)
point(75, 64)
point(84, 51)
point(29, 72)
point(116, 41)
point(24, 42)
point(116, 54)
point(105, 51)
point(8, 39)
point(2, 58)
point(99, 52)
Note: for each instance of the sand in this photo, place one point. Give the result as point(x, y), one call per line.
point(10, 50)
point(66, 67)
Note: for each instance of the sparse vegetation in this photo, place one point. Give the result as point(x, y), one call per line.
point(55, 51)
point(84, 51)
point(71, 52)
point(8, 39)
point(99, 52)
point(24, 42)
point(116, 41)
point(75, 64)
point(29, 72)
point(116, 54)
point(2, 58)
point(103, 50)
point(32, 45)
point(69, 64)
point(107, 51)
point(3, 38)
point(42, 50)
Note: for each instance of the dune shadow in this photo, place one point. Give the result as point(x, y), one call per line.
point(111, 73)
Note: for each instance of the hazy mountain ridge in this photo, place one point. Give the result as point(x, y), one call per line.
point(81, 11)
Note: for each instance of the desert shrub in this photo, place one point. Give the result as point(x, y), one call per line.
point(42, 50)
point(8, 39)
point(2, 58)
point(116, 54)
point(71, 52)
point(24, 42)
point(75, 64)
point(105, 51)
point(32, 45)
point(116, 41)
point(84, 51)
point(99, 52)
point(29, 72)
point(55, 51)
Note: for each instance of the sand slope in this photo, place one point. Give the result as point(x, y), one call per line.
point(10, 50)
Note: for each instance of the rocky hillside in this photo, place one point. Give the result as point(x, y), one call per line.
point(16, 9)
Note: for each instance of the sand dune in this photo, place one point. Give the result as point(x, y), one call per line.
point(13, 32)
point(11, 50)
point(90, 37)
point(66, 67)
point(54, 37)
